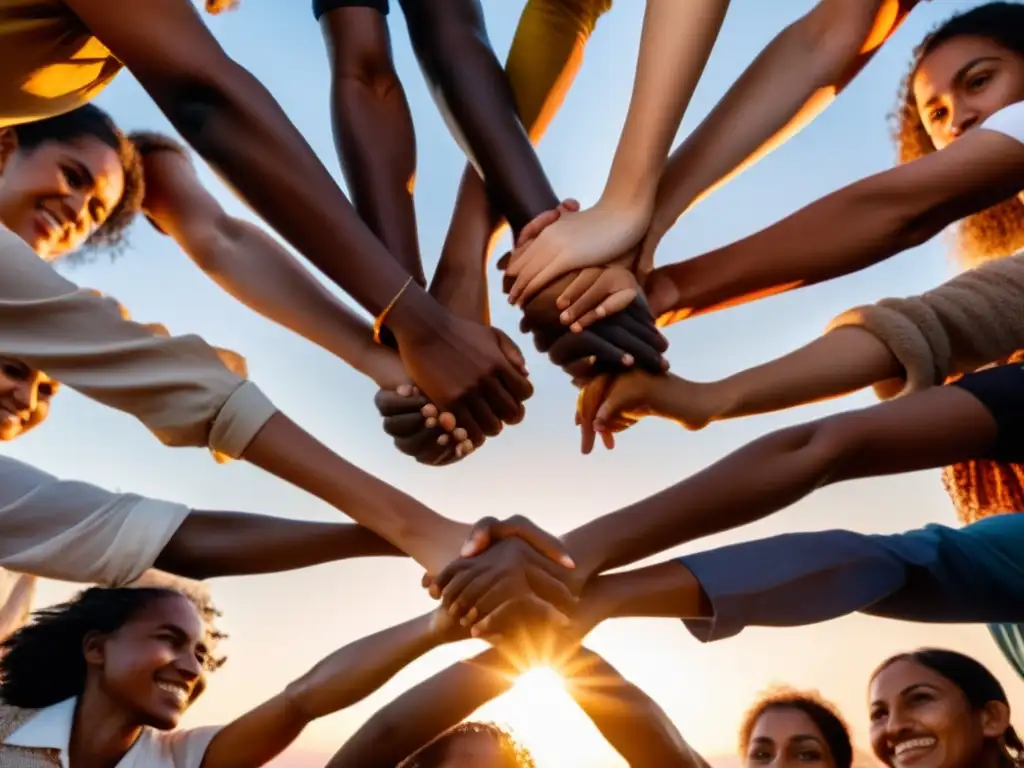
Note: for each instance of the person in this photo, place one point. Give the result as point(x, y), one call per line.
point(790, 83)
point(106, 677)
point(73, 171)
point(938, 707)
point(417, 729)
point(59, 55)
point(790, 727)
point(932, 574)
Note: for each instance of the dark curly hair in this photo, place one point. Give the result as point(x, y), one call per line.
point(978, 685)
point(90, 120)
point(42, 663)
point(513, 754)
point(998, 231)
point(825, 716)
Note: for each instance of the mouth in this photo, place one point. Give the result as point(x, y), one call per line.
point(9, 419)
point(179, 691)
point(47, 223)
point(909, 751)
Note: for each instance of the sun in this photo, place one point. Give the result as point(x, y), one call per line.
point(543, 717)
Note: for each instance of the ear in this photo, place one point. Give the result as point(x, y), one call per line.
point(93, 649)
point(995, 719)
point(8, 144)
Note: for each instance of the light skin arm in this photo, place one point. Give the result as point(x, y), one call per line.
point(426, 711)
point(339, 681)
point(789, 84)
point(257, 270)
point(847, 231)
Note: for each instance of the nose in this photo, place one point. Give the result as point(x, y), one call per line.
point(897, 726)
point(189, 668)
point(76, 210)
point(26, 395)
point(964, 119)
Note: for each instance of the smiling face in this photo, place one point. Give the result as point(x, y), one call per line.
point(785, 736)
point(921, 719)
point(24, 397)
point(965, 80)
point(153, 666)
point(55, 195)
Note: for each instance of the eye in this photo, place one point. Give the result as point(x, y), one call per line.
point(810, 756)
point(760, 755)
point(73, 176)
point(12, 370)
point(920, 697)
point(937, 114)
point(877, 714)
point(978, 81)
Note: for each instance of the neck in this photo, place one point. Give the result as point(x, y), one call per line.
point(102, 733)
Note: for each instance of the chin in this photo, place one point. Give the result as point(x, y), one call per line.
point(161, 718)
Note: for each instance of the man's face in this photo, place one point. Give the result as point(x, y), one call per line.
point(25, 395)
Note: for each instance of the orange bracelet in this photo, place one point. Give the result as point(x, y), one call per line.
point(378, 323)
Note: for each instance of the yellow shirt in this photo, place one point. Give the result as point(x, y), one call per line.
point(49, 61)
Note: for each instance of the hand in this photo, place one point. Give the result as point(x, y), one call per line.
point(608, 405)
point(417, 428)
point(444, 628)
point(590, 238)
point(664, 298)
point(596, 293)
point(474, 372)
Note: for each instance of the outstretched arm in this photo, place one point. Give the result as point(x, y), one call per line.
point(426, 711)
point(789, 84)
point(339, 681)
point(252, 266)
point(628, 718)
point(849, 230)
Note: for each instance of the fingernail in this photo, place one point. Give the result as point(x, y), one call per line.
point(576, 328)
point(431, 423)
point(562, 304)
point(567, 561)
point(565, 318)
point(404, 390)
point(627, 359)
point(592, 359)
point(442, 440)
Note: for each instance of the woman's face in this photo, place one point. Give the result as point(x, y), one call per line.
point(24, 397)
point(473, 750)
point(964, 81)
point(56, 195)
point(785, 736)
point(153, 666)
point(921, 719)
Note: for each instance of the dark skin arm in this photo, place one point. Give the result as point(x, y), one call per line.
point(451, 43)
point(231, 120)
point(373, 129)
point(765, 476)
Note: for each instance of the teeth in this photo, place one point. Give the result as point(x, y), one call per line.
point(177, 690)
point(905, 746)
point(50, 218)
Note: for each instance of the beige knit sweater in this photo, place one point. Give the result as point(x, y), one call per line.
point(971, 321)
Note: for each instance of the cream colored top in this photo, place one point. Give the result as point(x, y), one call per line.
point(49, 61)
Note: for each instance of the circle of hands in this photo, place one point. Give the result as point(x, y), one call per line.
point(592, 302)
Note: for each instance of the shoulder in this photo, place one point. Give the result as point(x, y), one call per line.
point(182, 748)
point(1008, 121)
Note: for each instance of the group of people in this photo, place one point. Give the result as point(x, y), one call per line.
point(104, 678)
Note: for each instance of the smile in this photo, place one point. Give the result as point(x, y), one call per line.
point(180, 691)
point(912, 748)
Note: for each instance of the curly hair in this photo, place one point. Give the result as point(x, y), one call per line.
point(42, 664)
point(978, 685)
point(998, 231)
point(90, 120)
point(821, 712)
point(513, 754)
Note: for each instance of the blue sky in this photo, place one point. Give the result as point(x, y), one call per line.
point(280, 625)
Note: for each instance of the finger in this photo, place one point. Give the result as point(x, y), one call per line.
point(504, 260)
point(405, 425)
point(573, 347)
point(489, 421)
point(500, 401)
point(459, 435)
point(472, 591)
point(552, 591)
point(579, 287)
point(422, 445)
point(592, 307)
point(511, 352)
point(533, 279)
point(451, 594)
point(464, 416)
point(514, 381)
point(643, 355)
point(503, 620)
point(569, 204)
point(447, 422)
point(449, 572)
point(524, 270)
point(547, 544)
point(645, 331)
point(480, 536)
point(390, 403)
point(608, 438)
point(538, 225)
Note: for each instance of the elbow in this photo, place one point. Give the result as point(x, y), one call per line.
point(196, 99)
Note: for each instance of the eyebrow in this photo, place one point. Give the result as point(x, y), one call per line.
point(962, 73)
point(910, 689)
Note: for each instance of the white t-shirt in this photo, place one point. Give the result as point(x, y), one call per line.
point(50, 729)
point(1008, 121)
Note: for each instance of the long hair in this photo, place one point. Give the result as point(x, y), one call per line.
point(42, 663)
point(978, 685)
point(998, 231)
point(821, 712)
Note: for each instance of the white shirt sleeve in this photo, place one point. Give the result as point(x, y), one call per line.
point(1008, 121)
point(187, 747)
point(74, 531)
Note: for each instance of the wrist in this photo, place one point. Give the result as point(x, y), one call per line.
point(415, 312)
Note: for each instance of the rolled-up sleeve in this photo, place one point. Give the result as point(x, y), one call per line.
point(177, 386)
point(74, 531)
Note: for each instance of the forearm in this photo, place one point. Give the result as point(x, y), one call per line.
point(373, 132)
point(425, 711)
point(845, 232)
point(237, 127)
point(453, 49)
point(675, 45)
point(257, 270)
point(360, 668)
point(213, 544)
point(789, 84)
point(629, 719)
point(836, 364)
point(286, 451)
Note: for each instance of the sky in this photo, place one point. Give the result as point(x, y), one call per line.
point(281, 625)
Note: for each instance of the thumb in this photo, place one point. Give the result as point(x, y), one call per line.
point(570, 204)
point(480, 537)
point(512, 353)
